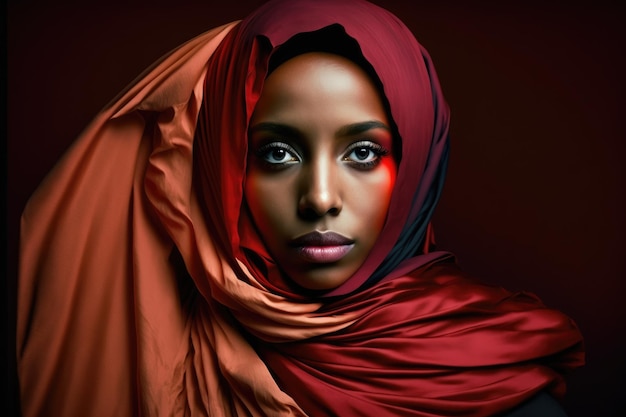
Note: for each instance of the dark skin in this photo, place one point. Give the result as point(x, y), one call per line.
point(320, 170)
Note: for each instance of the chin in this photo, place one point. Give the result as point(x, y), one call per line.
point(320, 278)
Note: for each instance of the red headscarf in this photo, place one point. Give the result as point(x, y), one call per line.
point(136, 297)
point(409, 84)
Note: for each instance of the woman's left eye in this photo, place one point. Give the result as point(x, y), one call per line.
point(365, 154)
point(362, 155)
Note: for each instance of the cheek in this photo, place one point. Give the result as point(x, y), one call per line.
point(266, 201)
point(379, 192)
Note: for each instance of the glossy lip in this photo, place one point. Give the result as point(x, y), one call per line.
point(322, 247)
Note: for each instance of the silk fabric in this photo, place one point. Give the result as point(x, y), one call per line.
point(138, 294)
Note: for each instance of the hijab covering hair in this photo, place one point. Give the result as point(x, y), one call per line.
point(384, 47)
point(144, 288)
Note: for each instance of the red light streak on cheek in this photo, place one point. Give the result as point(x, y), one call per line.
point(383, 189)
point(390, 167)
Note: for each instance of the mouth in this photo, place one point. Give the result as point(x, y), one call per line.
point(322, 247)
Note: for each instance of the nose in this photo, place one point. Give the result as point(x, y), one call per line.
point(320, 190)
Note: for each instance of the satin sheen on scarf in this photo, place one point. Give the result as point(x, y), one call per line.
point(137, 294)
point(410, 86)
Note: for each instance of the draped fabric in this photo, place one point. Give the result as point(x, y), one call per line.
point(409, 84)
point(144, 289)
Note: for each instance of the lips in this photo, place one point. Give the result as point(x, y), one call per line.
point(322, 247)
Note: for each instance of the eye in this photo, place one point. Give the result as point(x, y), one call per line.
point(278, 153)
point(364, 154)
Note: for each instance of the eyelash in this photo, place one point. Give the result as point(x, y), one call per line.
point(378, 151)
point(264, 153)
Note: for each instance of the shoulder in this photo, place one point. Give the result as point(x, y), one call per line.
point(541, 405)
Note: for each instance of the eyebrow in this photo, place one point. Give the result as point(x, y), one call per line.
point(276, 128)
point(361, 127)
point(348, 130)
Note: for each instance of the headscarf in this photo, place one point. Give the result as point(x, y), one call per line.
point(401, 67)
point(140, 290)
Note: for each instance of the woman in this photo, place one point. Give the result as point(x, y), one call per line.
point(245, 231)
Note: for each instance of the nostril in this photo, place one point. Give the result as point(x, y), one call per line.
point(308, 213)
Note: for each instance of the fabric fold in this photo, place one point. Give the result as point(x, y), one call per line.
point(144, 288)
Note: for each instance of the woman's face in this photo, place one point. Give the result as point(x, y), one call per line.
point(320, 168)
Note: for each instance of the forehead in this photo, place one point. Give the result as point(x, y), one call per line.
point(318, 78)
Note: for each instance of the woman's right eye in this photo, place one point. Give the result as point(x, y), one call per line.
point(278, 153)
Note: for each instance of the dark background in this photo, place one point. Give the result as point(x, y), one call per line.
point(535, 192)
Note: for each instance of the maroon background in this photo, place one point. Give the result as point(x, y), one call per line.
point(535, 192)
